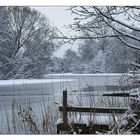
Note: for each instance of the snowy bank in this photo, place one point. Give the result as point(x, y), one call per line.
point(86, 119)
point(75, 74)
point(32, 81)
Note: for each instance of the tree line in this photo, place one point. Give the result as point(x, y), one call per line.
point(109, 42)
point(108, 55)
point(111, 38)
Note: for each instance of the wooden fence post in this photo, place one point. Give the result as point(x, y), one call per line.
point(65, 110)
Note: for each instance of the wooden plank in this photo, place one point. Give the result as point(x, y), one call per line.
point(97, 110)
point(117, 94)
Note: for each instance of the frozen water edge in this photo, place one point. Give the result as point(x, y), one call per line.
point(32, 81)
point(97, 74)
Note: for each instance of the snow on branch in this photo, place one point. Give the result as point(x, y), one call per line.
point(121, 32)
point(117, 21)
point(135, 64)
point(127, 44)
point(87, 37)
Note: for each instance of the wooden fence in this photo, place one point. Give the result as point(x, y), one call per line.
point(64, 127)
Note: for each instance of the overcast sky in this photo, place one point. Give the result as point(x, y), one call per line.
point(59, 16)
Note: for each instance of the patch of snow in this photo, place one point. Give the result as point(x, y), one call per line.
point(136, 99)
point(74, 133)
point(135, 92)
point(106, 120)
point(32, 81)
point(97, 119)
point(131, 115)
point(86, 119)
point(79, 119)
point(123, 123)
point(59, 121)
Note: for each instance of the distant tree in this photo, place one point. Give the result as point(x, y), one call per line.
point(70, 62)
point(56, 65)
point(118, 57)
point(88, 50)
point(97, 65)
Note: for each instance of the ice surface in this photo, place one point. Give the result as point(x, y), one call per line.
point(32, 81)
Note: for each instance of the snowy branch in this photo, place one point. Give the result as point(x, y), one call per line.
point(135, 64)
point(117, 21)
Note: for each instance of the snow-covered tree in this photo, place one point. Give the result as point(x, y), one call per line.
point(119, 22)
point(117, 58)
point(6, 45)
point(87, 50)
point(93, 19)
point(97, 65)
point(70, 62)
point(31, 44)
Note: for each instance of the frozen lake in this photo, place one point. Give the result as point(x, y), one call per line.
point(45, 95)
point(35, 90)
point(52, 87)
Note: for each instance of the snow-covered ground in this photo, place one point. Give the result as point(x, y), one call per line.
point(86, 119)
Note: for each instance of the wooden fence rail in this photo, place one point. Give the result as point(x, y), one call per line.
point(96, 110)
point(65, 109)
point(117, 94)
